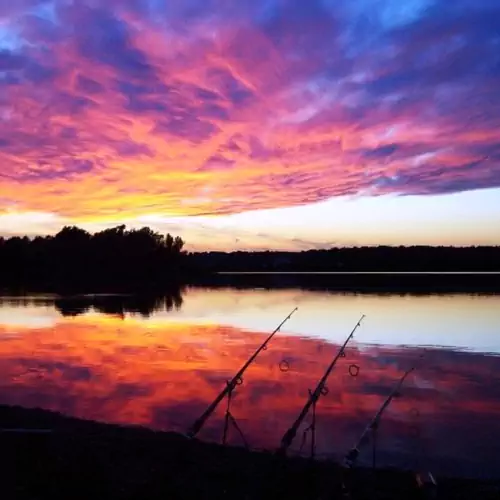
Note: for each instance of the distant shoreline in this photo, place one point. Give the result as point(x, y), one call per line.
point(369, 282)
point(368, 273)
point(413, 282)
point(142, 260)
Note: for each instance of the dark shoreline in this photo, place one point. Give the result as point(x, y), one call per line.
point(364, 282)
point(83, 459)
point(137, 260)
point(359, 282)
point(143, 298)
point(74, 301)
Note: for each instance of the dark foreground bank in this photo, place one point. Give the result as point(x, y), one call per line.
point(86, 460)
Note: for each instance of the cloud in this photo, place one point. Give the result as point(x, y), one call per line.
point(10, 61)
point(381, 151)
point(216, 162)
point(186, 108)
point(104, 38)
point(88, 86)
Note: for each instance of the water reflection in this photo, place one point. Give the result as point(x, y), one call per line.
point(163, 370)
point(119, 305)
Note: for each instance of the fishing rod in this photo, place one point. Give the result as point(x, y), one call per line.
point(372, 427)
point(320, 390)
point(231, 384)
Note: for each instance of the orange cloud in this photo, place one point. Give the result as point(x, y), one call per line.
point(108, 112)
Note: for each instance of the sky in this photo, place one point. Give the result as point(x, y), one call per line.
point(253, 124)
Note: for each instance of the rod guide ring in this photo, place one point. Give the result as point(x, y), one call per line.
point(354, 370)
point(284, 366)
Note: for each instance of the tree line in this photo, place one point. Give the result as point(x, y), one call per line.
point(364, 261)
point(355, 259)
point(118, 258)
point(74, 258)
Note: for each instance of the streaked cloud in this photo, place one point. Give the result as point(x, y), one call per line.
point(127, 109)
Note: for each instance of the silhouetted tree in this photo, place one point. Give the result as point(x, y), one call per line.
point(354, 259)
point(73, 257)
point(118, 258)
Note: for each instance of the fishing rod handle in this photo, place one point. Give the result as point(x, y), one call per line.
point(287, 440)
point(200, 422)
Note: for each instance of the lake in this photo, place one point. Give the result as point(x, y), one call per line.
point(159, 362)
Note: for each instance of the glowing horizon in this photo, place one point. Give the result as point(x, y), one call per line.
point(254, 125)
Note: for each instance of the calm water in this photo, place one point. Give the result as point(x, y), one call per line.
point(162, 366)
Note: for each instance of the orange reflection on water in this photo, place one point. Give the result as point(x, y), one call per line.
point(163, 374)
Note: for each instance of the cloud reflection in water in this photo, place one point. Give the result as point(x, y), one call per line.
point(162, 374)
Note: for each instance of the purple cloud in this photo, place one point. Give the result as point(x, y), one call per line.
point(319, 98)
point(102, 37)
point(217, 163)
point(88, 86)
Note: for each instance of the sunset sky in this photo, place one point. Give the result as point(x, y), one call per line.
point(253, 124)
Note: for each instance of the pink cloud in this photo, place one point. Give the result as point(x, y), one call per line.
point(241, 108)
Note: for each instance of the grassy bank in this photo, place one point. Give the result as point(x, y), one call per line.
point(87, 460)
